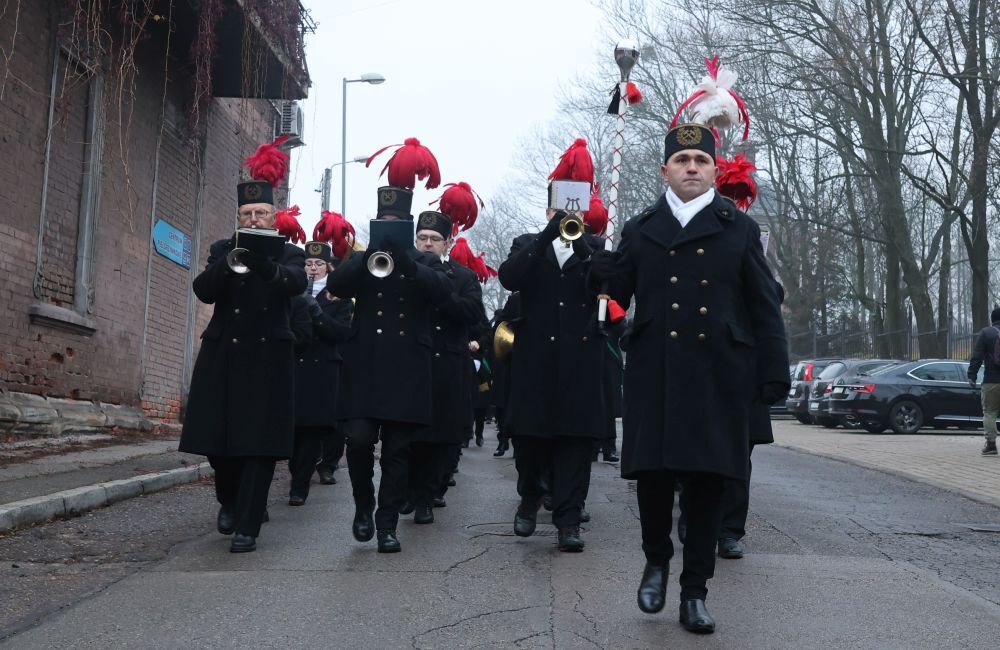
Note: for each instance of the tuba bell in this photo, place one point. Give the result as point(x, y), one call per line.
point(503, 341)
point(571, 227)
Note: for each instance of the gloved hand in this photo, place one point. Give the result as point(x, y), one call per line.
point(260, 265)
point(402, 258)
point(602, 265)
point(315, 311)
point(772, 392)
point(582, 249)
point(551, 231)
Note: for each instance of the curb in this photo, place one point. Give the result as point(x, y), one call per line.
point(79, 500)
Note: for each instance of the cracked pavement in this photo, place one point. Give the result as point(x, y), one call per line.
point(838, 556)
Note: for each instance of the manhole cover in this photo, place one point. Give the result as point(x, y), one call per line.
point(506, 529)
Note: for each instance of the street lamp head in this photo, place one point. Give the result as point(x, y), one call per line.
point(372, 78)
point(360, 159)
point(626, 56)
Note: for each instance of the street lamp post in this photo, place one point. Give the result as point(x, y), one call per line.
point(368, 78)
point(324, 184)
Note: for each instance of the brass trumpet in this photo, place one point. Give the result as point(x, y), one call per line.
point(571, 227)
point(503, 341)
point(233, 260)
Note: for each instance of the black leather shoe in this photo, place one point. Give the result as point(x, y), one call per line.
point(584, 516)
point(326, 476)
point(611, 457)
point(730, 549)
point(653, 588)
point(226, 521)
point(423, 515)
point(502, 448)
point(364, 525)
point(451, 481)
point(547, 502)
point(387, 542)
point(243, 544)
point(296, 500)
point(439, 502)
point(479, 441)
point(266, 517)
point(525, 519)
point(406, 508)
point(695, 617)
point(465, 444)
point(570, 540)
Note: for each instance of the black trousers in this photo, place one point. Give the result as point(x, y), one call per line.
point(302, 464)
point(735, 506)
point(241, 485)
point(361, 435)
point(430, 467)
point(501, 432)
point(331, 450)
point(479, 415)
point(563, 462)
point(702, 508)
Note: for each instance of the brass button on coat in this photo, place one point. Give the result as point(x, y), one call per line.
point(672, 253)
point(673, 279)
point(704, 283)
point(378, 331)
point(402, 333)
point(378, 295)
point(702, 337)
point(236, 340)
point(703, 311)
point(552, 338)
point(675, 306)
point(378, 313)
point(263, 340)
point(673, 335)
point(236, 311)
point(700, 251)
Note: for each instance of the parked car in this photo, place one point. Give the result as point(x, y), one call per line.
point(819, 398)
point(798, 395)
point(911, 395)
point(780, 409)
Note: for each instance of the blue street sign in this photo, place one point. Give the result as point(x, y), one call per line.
point(171, 243)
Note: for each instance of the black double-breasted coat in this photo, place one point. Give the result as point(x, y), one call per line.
point(707, 334)
point(317, 365)
point(451, 324)
point(386, 374)
point(557, 366)
point(241, 401)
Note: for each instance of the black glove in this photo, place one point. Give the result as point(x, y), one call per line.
point(402, 259)
point(551, 231)
point(773, 392)
point(602, 265)
point(315, 311)
point(582, 249)
point(260, 265)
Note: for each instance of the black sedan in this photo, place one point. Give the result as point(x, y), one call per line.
point(908, 396)
point(822, 388)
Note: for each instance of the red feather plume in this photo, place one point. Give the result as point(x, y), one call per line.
point(575, 164)
point(286, 222)
point(735, 180)
point(335, 230)
point(461, 204)
point(269, 163)
point(632, 94)
point(462, 254)
point(411, 162)
point(597, 215)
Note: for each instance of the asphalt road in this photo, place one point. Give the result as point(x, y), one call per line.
point(838, 557)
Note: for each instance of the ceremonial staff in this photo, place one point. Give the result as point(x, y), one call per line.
point(626, 56)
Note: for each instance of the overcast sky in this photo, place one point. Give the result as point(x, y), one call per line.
point(469, 79)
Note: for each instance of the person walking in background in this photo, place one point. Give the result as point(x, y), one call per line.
point(986, 354)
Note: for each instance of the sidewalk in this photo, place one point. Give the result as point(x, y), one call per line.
point(40, 480)
point(945, 460)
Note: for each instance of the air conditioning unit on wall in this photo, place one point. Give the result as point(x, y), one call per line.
point(291, 123)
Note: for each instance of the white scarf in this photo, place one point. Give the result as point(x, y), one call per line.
point(685, 212)
point(562, 251)
point(319, 284)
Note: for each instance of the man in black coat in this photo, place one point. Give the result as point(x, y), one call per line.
point(317, 371)
point(385, 390)
point(706, 339)
point(434, 449)
point(557, 406)
point(240, 410)
point(983, 357)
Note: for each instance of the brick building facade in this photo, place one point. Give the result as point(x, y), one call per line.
point(91, 311)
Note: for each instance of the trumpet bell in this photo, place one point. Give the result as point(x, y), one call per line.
point(234, 262)
point(380, 264)
point(503, 341)
point(571, 228)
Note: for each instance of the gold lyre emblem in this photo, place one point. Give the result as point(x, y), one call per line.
point(252, 191)
point(387, 197)
point(688, 136)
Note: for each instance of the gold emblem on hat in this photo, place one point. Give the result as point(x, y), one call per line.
point(314, 249)
point(252, 191)
point(427, 220)
point(387, 197)
point(689, 136)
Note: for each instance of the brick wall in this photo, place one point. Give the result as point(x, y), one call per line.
point(141, 350)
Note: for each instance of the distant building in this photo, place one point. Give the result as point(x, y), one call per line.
point(122, 149)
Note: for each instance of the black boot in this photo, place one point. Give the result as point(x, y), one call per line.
point(326, 476)
point(525, 518)
point(653, 588)
point(364, 525)
point(242, 544)
point(479, 440)
point(423, 514)
point(570, 540)
point(502, 448)
point(695, 617)
point(730, 549)
point(439, 502)
point(387, 542)
point(225, 522)
point(296, 500)
point(406, 508)
point(609, 455)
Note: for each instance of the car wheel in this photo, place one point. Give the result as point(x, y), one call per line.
point(906, 417)
point(873, 427)
point(850, 422)
point(828, 422)
point(803, 418)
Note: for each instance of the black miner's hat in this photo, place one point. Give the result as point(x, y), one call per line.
point(254, 192)
point(319, 250)
point(394, 201)
point(688, 136)
point(431, 220)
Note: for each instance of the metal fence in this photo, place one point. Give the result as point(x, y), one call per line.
point(955, 342)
